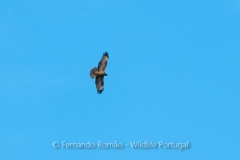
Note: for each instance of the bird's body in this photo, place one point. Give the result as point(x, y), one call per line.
point(99, 73)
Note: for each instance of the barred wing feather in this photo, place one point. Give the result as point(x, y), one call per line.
point(99, 84)
point(103, 63)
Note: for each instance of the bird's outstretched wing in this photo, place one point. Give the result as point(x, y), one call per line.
point(103, 63)
point(99, 84)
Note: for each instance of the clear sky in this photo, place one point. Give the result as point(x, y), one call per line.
point(173, 71)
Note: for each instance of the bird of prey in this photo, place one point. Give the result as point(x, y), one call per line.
point(99, 73)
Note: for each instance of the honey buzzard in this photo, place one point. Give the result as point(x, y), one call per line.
point(99, 73)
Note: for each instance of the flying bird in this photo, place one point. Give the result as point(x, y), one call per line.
point(99, 73)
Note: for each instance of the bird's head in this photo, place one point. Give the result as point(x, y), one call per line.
point(105, 74)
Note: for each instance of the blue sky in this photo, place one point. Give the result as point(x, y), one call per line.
point(173, 77)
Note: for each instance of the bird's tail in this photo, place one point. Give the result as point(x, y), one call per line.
point(92, 73)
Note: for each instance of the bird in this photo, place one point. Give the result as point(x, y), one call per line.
point(99, 73)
